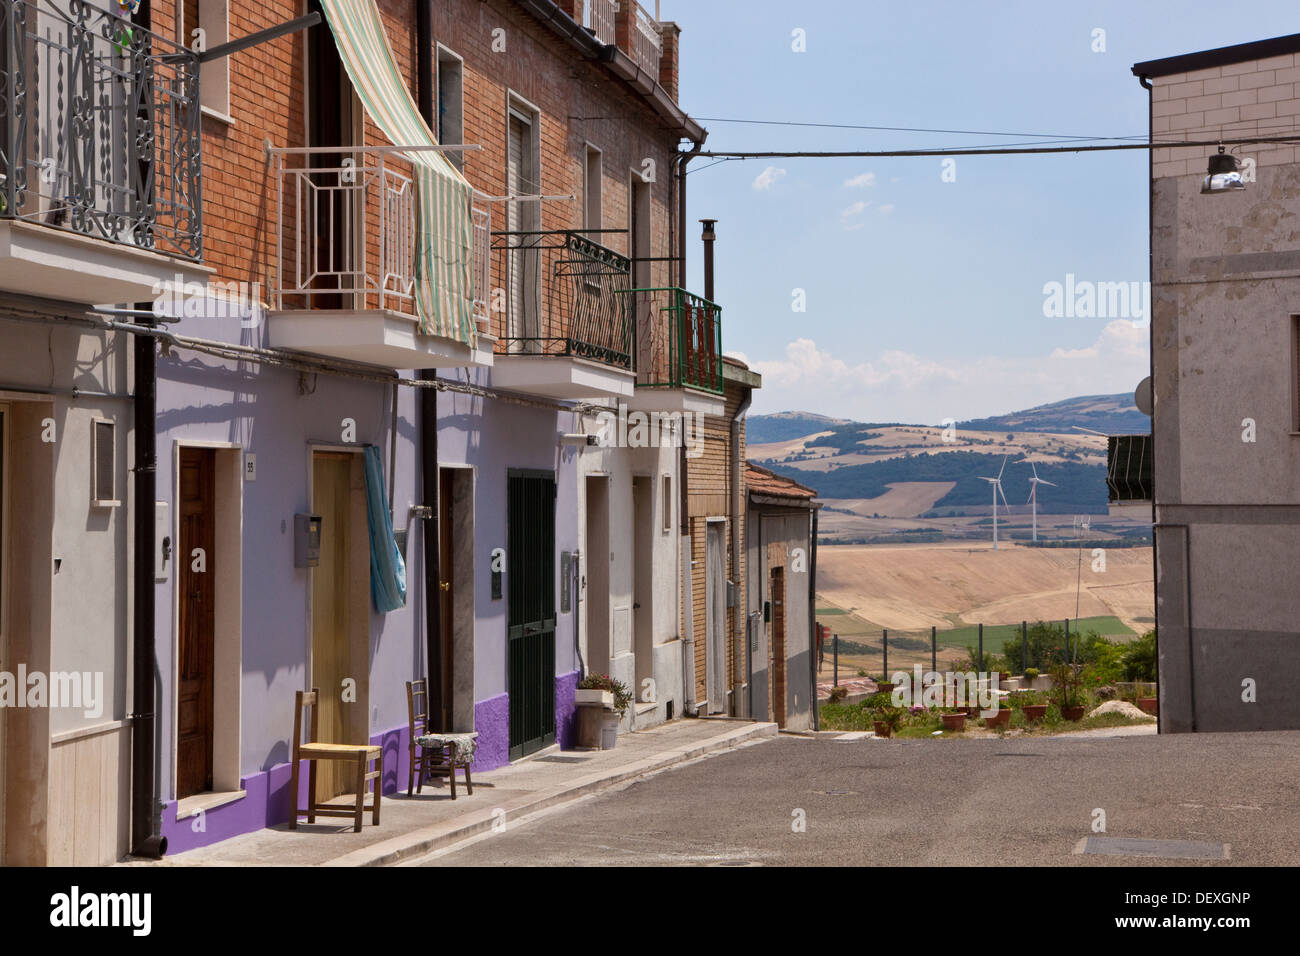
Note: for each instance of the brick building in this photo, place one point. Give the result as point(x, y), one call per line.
point(409, 276)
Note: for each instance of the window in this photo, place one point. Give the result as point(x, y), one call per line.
point(451, 104)
point(668, 503)
point(1295, 373)
point(210, 17)
point(639, 229)
point(591, 176)
point(103, 464)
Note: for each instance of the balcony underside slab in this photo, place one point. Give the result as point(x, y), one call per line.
point(688, 400)
point(373, 336)
point(562, 377)
point(52, 263)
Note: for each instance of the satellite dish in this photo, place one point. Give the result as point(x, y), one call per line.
point(1142, 396)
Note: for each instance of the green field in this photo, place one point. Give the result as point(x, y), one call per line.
point(995, 635)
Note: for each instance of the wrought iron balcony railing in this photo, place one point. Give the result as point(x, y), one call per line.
point(678, 340)
point(1128, 467)
point(99, 127)
point(580, 283)
point(346, 220)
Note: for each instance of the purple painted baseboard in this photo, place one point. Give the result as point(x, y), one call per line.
point(492, 721)
point(566, 711)
point(266, 793)
point(266, 799)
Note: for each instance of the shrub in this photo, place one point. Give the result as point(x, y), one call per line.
point(1139, 661)
point(622, 696)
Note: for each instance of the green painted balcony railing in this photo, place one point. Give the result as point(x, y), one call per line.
point(678, 340)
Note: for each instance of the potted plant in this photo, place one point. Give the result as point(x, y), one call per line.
point(1067, 686)
point(837, 695)
point(613, 699)
point(1033, 706)
point(884, 685)
point(1149, 705)
point(1002, 719)
point(887, 720)
point(953, 719)
point(1031, 674)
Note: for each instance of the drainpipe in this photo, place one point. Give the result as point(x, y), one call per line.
point(812, 619)
point(440, 709)
point(146, 807)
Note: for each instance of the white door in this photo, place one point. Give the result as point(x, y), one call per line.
point(521, 219)
point(716, 615)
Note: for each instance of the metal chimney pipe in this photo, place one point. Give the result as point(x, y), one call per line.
point(709, 237)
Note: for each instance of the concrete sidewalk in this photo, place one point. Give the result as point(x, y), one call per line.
point(416, 825)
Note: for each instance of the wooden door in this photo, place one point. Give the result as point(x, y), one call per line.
point(333, 668)
point(777, 645)
point(196, 576)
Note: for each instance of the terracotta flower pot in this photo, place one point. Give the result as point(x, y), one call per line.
point(1001, 719)
point(1035, 712)
point(1149, 704)
point(882, 728)
point(1073, 713)
point(885, 688)
point(954, 721)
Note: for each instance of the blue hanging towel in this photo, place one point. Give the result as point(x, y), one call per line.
point(387, 570)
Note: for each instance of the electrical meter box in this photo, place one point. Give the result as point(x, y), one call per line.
point(306, 541)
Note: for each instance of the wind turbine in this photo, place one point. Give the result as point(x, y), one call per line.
point(997, 490)
point(1034, 482)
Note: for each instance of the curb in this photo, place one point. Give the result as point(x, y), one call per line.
point(439, 836)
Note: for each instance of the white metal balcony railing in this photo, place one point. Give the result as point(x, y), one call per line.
point(346, 232)
point(647, 44)
point(598, 16)
point(99, 126)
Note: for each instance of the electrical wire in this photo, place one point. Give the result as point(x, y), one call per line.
point(910, 129)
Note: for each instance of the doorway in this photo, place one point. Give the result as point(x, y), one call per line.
point(595, 588)
point(776, 664)
point(197, 569)
point(334, 208)
point(523, 220)
point(340, 608)
point(643, 538)
point(530, 570)
point(715, 596)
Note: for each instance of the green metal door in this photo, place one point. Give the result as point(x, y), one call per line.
point(530, 574)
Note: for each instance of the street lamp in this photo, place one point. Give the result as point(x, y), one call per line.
point(1223, 175)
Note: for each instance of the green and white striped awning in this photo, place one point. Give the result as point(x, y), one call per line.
point(444, 232)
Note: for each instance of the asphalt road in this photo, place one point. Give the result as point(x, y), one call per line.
point(932, 802)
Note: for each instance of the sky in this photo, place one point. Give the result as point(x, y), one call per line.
point(923, 294)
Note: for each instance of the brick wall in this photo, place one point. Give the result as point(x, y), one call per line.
point(709, 494)
point(1258, 97)
point(579, 102)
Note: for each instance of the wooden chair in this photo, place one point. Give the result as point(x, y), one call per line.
point(440, 756)
point(313, 750)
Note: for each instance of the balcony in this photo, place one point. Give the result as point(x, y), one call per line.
point(565, 322)
point(345, 282)
point(678, 352)
point(1128, 470)
point(644, 41)
point(100, 162)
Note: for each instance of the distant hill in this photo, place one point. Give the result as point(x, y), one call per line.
point(1108, 414)
point(786, 426)
point(1079, 488)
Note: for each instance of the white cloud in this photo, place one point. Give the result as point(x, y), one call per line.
point(886, 209)
point(860, 180)
point(902, 386)
point(768, 178)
